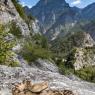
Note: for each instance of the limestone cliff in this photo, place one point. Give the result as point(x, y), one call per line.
point(9, 76)
point(9, 13)
point(85, 56)
point(77, 48)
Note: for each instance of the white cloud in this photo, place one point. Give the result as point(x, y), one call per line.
point(29, 6)
point(23, 4)
point(76, 2)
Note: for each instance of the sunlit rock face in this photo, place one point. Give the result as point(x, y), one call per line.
point(28, 88)
point(85, 55)
point(8, 13)
point(84, 59)
point(9, 76)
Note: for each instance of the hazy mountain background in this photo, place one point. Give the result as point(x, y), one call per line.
point(57, 16)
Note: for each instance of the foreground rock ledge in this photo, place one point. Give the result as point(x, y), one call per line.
point(28, 88)
point(10, 76)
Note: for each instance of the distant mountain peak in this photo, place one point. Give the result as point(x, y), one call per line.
point(48, 11)
point(47, 1)
point(51, 2)
point(57, 16)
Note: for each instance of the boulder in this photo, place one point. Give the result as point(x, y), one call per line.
point(39, 87)
point(27, 88)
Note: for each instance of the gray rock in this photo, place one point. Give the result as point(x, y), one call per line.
point(9, 75)
point(45, 65)
point(8, 13)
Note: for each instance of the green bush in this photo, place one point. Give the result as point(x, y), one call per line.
point(70, 59)
point(63, 68)
point(40, 40)
point(36, 47)
point(15, 30)
point(31, 52)
point(30, 17)
point(87, 73)
point(6, 54)
point(20, 9)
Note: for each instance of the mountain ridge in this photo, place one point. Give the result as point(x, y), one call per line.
point(52, 30)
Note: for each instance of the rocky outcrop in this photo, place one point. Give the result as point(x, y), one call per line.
point(27, 88)
point(87, 40)
point(84, 58)
point(42, 64)
point(56, 82)
point(78, 47)
point(36, 27)
point(9, 13)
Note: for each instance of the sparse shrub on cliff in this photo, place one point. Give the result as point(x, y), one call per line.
point(15, 30)
point(70, 59)
point(19, 8)
point(6, 45)
point(36, 47)
point(87, 73)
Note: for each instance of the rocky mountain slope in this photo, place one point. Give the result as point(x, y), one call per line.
point(50, 14)
point(8, 13)
point(68, 28)
point(90, 28)
point(41, 70)
point(88, 10)
point(77, 49)
point(49, 11)
point(57, 17)
point(10, 76)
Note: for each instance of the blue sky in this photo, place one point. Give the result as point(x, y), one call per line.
point(78, 3)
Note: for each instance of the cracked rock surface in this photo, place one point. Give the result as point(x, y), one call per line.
point(9, 76)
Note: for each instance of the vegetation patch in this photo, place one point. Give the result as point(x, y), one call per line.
point(36, 47)
point(87, 73)
point(19, 8)
point(65, 49)
point(6, 45)
point(63, 68)
point(15, 30)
